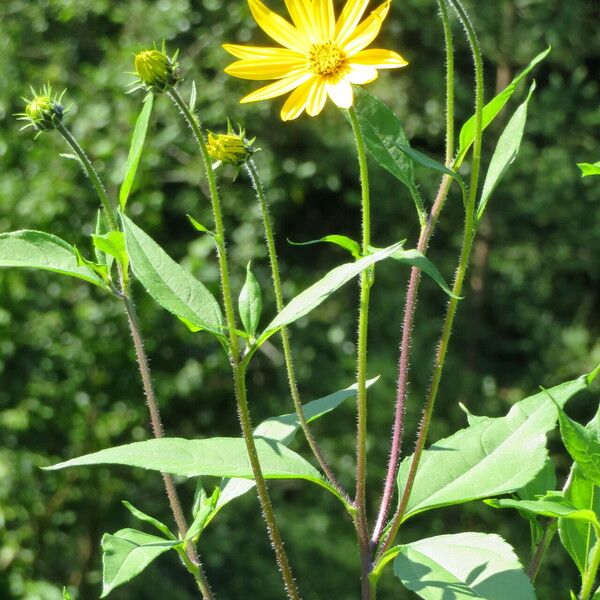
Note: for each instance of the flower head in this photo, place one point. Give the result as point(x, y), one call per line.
point(321, 56)
point(230, 148)
point(156, 71)
point(43, 111)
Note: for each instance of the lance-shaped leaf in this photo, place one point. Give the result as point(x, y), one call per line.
point(493, 108)
point(283, 429)
point(343, 241)
point(168, 283)
point(127, 553)
point(486, 459)
point(384, 138)
point(579, 538)
point(250, 303)
point(218, 457)
point(142, 516)
point(463, 566)
point(38, 250)
point(317, 293)
point(582, 444)
point(588, 169)
point(505, 153)
point(135, 150)
point(553, 505)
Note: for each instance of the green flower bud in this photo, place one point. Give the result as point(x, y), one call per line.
point(43, 111)
point(156, 71)
point(230, 148)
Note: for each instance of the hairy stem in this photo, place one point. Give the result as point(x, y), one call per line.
point(142, 360)
point(587, 586)
point(237, 368)
point(366, 281)
point(410, 303)
point(469, 232)
point(541, 548)
point(285, 336)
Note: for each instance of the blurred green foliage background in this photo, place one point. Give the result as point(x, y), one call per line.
point(68, 380)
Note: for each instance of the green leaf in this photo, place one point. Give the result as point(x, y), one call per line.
point(207, 506)
point(38, 250)
point(588, 169)
point(198, 226)
point(417, 259)
point(582, 445)
point(596, 595)
point(126, 554)
point(383, 134)
point(425, 161)
point(493, 108)
point(138, 514)
point(135, 150)
point(544, 481)
point(463, 566)
point(317, 293)
point(66, 594)
point(218, 457)
point(283, 429)
point(193, 96)
point(342, 241)
point(579, 538)
point(552, 505)
point(506, 152)
point(250, 303)
point(486, 459)
point(102, 229)
point(113, 244)
point(386, 141)
point(169, 284)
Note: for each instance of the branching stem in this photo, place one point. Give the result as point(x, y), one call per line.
point(410, 304)
point(142, 360)
point(238, 368)
point(469, 233)
point(285, 336)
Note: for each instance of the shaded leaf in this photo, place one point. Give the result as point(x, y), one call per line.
point(250, 303)
point(463, 566)
point(579, 538)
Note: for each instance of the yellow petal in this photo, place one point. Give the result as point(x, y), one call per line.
point(251, 52)
point(341, 93)
point(316, 98)
point(302, 17)
point(266, 69)
point(380, 59)
point(283, 86)
point(367, 31)
point(324, 18)
point(349, 19)
point(361, 74)
point(295, 104)
point(277, 27)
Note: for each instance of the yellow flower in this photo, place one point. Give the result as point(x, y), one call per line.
point(321, 56)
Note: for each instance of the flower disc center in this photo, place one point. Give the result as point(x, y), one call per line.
point(325, 59)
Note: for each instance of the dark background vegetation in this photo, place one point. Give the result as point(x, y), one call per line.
point(68, 380)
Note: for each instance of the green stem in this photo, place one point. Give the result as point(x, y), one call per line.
point(366, 281)
point(142, 360)
point(589, 577)
point(449, 43)
point(238, 368)
point(410, 303)
point(90, 171)
point(469, 232)
point(541, 549)
point(285, 336)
